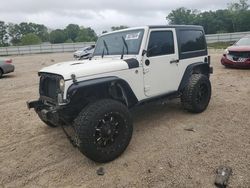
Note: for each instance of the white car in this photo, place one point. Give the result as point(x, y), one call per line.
point(128, 68)
point(84, 53)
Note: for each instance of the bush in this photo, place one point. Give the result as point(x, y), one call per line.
point(30, 39)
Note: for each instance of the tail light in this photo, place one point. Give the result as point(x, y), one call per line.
point(8, 61)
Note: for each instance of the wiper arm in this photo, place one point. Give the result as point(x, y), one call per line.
point(126, 45)
point(106, 47)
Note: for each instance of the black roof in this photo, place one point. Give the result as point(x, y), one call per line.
point(176, 26)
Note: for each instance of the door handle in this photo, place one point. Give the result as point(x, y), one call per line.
point(174, 61)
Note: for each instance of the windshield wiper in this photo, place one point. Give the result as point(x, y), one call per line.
point(126, 45)
point(106, 46)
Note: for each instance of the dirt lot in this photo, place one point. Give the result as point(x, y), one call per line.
point(161, 153)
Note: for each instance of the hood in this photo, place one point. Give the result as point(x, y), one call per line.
point(83, 68)
point(239, 48)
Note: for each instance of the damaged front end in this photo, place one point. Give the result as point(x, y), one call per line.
point(51, 103)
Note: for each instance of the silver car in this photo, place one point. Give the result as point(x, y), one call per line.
point(6, 66)
point(84, 53)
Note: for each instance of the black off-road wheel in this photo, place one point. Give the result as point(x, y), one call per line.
point(44, 121)
point(104, 129)
point(196, 95)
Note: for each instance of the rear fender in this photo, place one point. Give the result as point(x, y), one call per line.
point(195, 68)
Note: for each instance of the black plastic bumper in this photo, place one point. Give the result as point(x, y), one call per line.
point(50, 116)
point(34, 104)
point(45, 113)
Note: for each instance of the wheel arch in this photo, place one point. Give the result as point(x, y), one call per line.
point(195, 68)
point(103, 88)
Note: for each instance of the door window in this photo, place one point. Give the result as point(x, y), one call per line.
point(160, 43)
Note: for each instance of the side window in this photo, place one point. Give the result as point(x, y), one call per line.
point(192, 40)
point(160, 43)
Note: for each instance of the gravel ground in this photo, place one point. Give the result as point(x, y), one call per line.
point(161, 154)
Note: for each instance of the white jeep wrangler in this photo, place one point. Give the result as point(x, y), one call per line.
point(128, 68)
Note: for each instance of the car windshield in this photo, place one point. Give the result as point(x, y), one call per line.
point(127, 42)
point(243, 42)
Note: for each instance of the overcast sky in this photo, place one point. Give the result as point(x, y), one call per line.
point(98, 14)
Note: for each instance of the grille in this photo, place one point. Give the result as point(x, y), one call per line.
point(237, 55)
point(49, 85)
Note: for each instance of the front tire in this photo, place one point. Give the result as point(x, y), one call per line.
point(196, 95)
point(104, 130)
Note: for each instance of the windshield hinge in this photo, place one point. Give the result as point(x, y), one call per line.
point(145, 70)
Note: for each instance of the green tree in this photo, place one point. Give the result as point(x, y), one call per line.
point(242, 5)
point(30, 39)
point(215, 21)
point(41, 31)
point(3, 34)
point(14, 33)
point(72, 31)
point(237, 12)
point(182, 16)
point(115, 28)
point(58, 36)
point(86, 35)
point(233, 19)
point(17, 31)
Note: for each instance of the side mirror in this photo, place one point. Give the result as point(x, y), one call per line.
point(147, 52)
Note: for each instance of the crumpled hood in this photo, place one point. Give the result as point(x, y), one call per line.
point(236, 48)
point(83, 68)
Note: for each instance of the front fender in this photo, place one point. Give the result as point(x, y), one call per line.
point(80, 88)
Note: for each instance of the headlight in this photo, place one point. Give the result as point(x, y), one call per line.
point(226, 51)
point(62, 84)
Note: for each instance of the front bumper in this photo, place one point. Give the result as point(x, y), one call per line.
point(235, 64)
point(34, 104)
point(52, 114)
point(45, 112)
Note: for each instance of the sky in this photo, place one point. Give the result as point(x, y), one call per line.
point(98, 14)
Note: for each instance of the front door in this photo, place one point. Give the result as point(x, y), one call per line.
point(161, 75)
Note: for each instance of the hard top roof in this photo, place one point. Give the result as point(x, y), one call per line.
point(176, 26)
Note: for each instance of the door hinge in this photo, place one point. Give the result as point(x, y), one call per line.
point(146, 88)
point(145, 70)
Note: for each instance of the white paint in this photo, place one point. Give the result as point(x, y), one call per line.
point(160, 77)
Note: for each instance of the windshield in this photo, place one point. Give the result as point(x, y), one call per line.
point(127, 42)
point(243, 42)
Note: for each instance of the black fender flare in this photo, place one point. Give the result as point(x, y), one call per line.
point(195, 68)
point(99, 81)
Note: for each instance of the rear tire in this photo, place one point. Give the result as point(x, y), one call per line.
point(104, 129)
point(196, 95)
